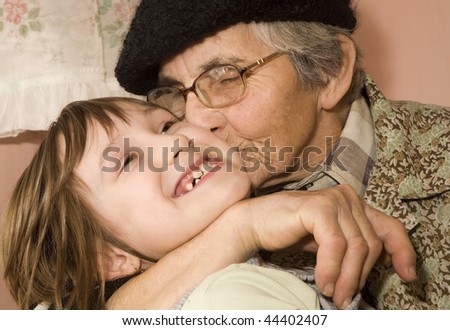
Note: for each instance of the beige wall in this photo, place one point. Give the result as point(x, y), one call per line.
point(407, 51)
point(407, 47)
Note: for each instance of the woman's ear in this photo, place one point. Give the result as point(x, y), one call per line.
point(338, 86)
point(116, 263)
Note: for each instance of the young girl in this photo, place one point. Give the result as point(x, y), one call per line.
point(76, 218)
point(117, 184)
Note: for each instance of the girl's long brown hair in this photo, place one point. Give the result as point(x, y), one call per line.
point(52, 236)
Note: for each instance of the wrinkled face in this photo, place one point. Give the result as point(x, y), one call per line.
point(152, 186)
point(273, 122)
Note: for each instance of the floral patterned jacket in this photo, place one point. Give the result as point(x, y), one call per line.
point(411, 182)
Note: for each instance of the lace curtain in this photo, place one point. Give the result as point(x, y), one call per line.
point(53, 52)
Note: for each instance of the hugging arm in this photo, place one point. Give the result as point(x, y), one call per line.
point(349, 237)
point(348, 233)
point(222, 243)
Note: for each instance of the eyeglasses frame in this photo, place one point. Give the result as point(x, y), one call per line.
point(244, 72)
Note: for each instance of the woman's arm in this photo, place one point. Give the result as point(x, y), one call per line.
point(348, 245)
point(349, 236)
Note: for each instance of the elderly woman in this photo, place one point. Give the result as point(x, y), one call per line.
point(281, 81)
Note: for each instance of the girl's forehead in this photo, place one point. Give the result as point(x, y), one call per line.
point(132, 117)
point(138, 116)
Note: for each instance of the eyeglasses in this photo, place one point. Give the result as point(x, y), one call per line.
point(215, 88)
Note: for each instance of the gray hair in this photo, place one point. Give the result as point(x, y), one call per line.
point(315, 51)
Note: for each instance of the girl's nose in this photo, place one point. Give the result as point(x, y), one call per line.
point(200, 115)
point(164, 154)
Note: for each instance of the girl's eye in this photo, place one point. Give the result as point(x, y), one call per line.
point(128, 159)
point(167, 125)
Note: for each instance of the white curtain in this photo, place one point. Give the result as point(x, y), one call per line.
point(53, 52)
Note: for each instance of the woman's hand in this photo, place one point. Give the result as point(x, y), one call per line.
point(350, 235)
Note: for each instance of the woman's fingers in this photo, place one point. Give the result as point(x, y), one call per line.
point(396, 243)
point(350, 236)
point(348, 246)
point(366, 232)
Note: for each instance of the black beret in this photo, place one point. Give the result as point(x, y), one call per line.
point(161, 28)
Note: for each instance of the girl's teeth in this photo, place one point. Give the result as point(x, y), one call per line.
point(202, 168)
point(197, 174)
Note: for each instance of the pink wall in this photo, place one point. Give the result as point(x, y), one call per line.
point(407, 51)
point(406, 45)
